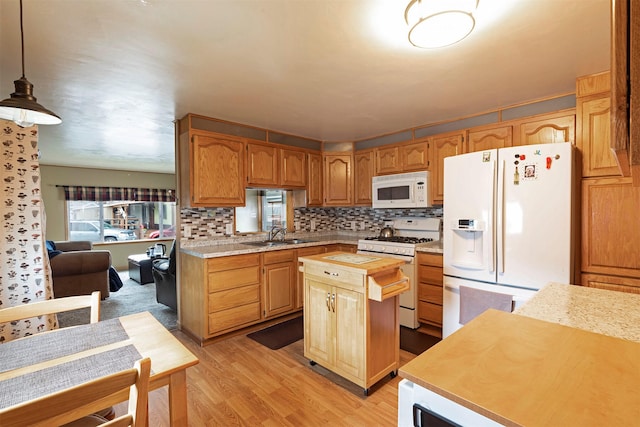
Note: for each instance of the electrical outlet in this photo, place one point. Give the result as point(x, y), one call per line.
point(362, 225)
point(187, 231)
point(313, 225)
point(229, 228)
point(353, 225)
point(296, 225)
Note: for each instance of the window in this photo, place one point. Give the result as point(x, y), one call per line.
point(114, 221)
point(263, 210)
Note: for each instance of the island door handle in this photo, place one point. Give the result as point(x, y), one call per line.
point(328, 304)
point(331, 274)
point(333, 302)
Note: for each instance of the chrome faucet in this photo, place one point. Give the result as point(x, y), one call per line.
point(275, 231)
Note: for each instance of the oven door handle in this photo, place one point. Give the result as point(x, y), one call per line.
point(406, 258)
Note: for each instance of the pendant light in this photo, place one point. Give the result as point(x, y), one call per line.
point(439, 23)
point(22, 107)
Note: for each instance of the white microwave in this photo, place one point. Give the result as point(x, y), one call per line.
point(403, 190)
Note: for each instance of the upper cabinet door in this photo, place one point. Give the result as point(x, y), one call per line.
point(338, 180)
point(415, 156)
point(314, 180)
point(364, 172)
point(294, 168)
point(217, 170)
point(488, 139)
point(262, 165)
point(442, 146)
point(594, 136)
point(550, 129)
point(388, 160)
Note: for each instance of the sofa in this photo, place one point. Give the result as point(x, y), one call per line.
point(77, 269)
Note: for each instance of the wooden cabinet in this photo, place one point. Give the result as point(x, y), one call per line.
point(294, 168)
point(219, 295)
point(279, 282)
point(344, 329)
point(212, 169)
point(415, 156)
point(593, 124)
point(610, 235)
point(388, 160)
point(312, 250)
point(405, 157)
point(270, 165)
point(314, 179)
point(338, 179)
point(363, 173)
point(611, 283)
point(442, 146)
point(334, 317)
point(263, 166)
point(342, 247)
point(489, 138)
point(430, 293)
point(548, 128)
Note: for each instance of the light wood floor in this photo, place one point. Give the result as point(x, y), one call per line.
point(239, 382)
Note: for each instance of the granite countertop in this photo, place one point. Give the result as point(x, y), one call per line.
point(434, 247)
point(616, 314)
point(239, 248)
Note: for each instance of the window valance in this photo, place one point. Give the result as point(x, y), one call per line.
point(107, 194)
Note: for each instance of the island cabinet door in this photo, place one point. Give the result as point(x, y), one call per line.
point(349, 333)
point(318, 322)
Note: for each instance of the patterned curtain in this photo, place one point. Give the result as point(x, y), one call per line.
point(25, 274)
point(107, 194)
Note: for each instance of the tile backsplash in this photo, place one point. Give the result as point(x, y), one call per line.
point(203, 224)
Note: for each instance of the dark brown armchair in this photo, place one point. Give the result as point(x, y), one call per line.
point(164, 276)
point(77, 269)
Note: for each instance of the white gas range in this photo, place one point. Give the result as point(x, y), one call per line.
point(409, 233)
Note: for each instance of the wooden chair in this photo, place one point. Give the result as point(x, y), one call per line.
point(76, 402)
point(53, 306)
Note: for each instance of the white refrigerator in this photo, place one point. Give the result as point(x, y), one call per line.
point(508, 227)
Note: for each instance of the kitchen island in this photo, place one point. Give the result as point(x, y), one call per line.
point(567, 357)
point(351, 314)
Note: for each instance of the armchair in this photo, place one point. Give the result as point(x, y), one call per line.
point(77, 269)
point(164, 276)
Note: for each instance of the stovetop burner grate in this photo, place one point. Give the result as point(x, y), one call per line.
point(400, 239)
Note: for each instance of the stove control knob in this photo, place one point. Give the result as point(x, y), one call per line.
point(396, 250)
point(382, 248)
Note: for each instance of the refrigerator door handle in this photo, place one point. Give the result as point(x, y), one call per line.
point(492, 215)
point(501, 229)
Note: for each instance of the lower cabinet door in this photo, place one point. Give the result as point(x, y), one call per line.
point(318, 323)
point(349, 333)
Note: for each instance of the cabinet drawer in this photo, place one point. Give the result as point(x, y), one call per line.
point(231, 262)
point(434, 260)
point(430, 313)
point(234, 317)
point(430, 274)
point(335, 274)
point(430, 293)
point(274, 257)
point(311, 250)
point(233, 297)
point(229, 279)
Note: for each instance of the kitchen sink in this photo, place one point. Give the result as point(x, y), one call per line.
point(269, 243)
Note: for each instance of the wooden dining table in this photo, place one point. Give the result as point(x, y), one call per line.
point(33, 366)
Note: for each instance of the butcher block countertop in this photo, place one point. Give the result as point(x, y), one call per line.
point(521, 371)
point(362, 264)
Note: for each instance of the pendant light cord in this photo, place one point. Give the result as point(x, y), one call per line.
point(22, 38)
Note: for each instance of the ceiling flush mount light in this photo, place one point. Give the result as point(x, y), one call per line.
point(22, 107)
point(439, 23)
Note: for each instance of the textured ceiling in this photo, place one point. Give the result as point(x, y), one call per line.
point(119, 72)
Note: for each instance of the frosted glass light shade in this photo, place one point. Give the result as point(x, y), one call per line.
point(439, 23)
